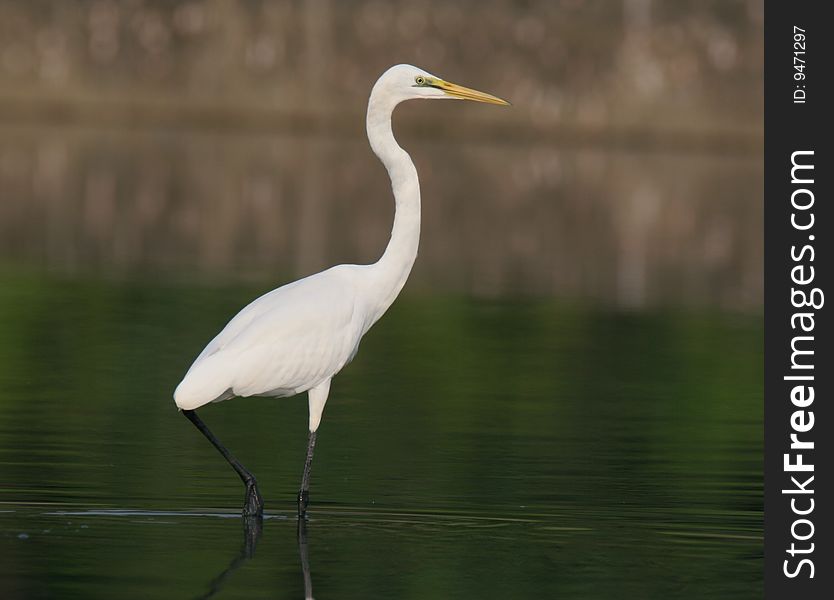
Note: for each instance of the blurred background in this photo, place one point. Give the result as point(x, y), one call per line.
point(226, 138)
point(564, 402)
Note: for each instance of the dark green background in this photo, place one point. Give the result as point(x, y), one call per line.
point(473, 449)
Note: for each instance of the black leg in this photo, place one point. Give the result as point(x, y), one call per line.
point(253, 504)
point(304, 493)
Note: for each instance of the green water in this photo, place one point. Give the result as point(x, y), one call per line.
point(474, 449)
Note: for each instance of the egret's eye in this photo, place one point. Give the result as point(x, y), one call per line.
point(420, 80)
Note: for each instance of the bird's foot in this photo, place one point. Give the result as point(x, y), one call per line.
point(253, 504)
point(252, 531)
point(303, 502)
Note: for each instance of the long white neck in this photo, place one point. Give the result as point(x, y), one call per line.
point(389, 273)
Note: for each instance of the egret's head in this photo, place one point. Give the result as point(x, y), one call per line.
point(405, 82)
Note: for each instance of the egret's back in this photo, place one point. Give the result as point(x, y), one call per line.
point(283, 343)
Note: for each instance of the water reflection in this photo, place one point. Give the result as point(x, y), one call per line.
point(474, 449)
point(252, 532)
point(500, 219)
point(304, 554)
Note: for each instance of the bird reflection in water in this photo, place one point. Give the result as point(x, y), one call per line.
point(252, 532)
point(305, 559)
point(253, 528)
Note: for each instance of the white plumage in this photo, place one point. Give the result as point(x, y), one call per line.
point(288, 341)
point(297, 337)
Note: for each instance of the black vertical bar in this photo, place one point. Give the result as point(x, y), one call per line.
point(798, 114)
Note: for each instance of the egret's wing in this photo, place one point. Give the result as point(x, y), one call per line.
point(294, 347)
point(251, 312)
point(282, 343)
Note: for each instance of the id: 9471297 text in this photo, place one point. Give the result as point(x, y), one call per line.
point(799, 94)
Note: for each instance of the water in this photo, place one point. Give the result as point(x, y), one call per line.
point(500, 219)
point(476, 448)
point(564, 403)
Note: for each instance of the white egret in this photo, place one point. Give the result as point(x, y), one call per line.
point(295, 338)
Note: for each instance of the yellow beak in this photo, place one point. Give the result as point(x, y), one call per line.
point(464, 93)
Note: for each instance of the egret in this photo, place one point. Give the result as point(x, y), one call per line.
point(295, 338)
